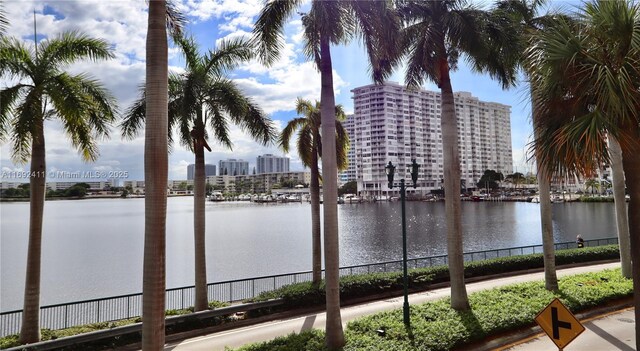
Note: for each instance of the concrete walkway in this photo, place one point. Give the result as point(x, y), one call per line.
point(613, 331)
point(270, 330)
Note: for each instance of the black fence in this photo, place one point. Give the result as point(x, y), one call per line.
point(115, 308)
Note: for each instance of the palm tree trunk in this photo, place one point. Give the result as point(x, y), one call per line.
point(451, 156)
point(335, 335)
point(30, 329)
point(155, 175)
point(631, 165)
point(202, 301)
point(546, 222)
point(546, 218)
point(316, 243)
point(622, 220)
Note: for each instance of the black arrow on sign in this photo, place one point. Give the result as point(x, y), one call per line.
point(557, 324)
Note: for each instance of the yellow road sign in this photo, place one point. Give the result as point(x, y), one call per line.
point(559, 323)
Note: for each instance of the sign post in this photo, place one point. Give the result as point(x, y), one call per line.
point(559, 323)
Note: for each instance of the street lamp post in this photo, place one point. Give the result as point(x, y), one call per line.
point(390, 170)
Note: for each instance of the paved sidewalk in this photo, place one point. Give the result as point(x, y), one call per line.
point(270, 330)
point(614, 331)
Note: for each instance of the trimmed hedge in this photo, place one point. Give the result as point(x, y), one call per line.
point(48, 334)
point(353, 286)
point(437, 327)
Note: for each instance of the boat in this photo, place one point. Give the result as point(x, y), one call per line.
point(535, 200)
point(351, 198)
point(216, 196)
point(265, 199)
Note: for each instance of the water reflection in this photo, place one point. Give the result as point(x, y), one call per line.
point(94, 248)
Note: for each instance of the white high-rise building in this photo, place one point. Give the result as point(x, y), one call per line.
point(393, 123)
point(269, 163)
point(233, 167)
point(349, 174)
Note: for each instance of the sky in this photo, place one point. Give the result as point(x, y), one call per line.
point(275, 89)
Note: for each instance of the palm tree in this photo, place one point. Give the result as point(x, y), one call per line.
point(593, 184)
point(330, 22)
point(309, 150)
point(586, 76)
point(155, 176)
point(622, 222)
point(522, 17)
point(198, 98)
point(46, 91)
point(436, 33)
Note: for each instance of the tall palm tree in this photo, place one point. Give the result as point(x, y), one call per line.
point(434, 36)
point(587, 75)
point(44, 92)
point(199, 98)
point(309, 147)
point(522, 18)
point(330, 22)
point(156, 162)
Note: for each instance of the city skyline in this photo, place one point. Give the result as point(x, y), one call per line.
point(275, 89)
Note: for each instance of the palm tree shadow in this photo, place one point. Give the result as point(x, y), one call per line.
point(470, 322)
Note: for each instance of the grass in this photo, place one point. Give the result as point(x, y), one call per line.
point(435, 326)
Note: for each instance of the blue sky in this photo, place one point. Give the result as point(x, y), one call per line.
point(275, 89)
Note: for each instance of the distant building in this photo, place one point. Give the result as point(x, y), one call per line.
point(233, 167)
point(272, 164)
point(209, 170)
point(349, 174)
point(93, 186)
point(257, 183)
point(393, 123)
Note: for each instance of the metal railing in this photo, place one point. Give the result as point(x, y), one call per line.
point(115, 308)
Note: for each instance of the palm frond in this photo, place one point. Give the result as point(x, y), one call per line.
point(85, 108)
point(228, 55)
point(342, 146)
point(189, 49)
point(306, 146)
point(4, 23)
point(15, 59)
point(70, 47)
point(175, 20)
point(269, 27)
point(219, 124)
point(285, 136)
point(241, 110)
point(378, 27)
point(23, 126)
point(9, 97)
point(134, 117)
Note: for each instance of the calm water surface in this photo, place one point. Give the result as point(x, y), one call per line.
point(94, 248)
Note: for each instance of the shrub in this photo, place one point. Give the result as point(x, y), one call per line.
point(435, 326)
point(352, 286)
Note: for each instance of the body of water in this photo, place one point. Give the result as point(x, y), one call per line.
point(94, 248)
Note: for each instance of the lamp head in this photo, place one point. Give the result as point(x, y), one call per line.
point(390, 170)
